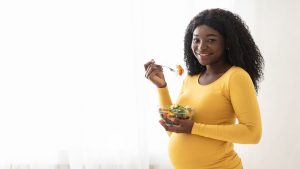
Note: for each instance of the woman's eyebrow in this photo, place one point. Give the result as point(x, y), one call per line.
point(206, 35)
point(211, 35)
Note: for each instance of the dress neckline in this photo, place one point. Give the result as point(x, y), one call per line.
point(216, 80)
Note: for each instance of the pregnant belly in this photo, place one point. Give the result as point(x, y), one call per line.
point(191, 151)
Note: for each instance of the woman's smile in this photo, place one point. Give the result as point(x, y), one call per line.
point(203, 56)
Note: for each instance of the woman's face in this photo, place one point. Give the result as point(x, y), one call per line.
point(208, 46)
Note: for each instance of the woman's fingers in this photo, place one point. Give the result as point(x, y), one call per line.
point(163, 123)
point(181, 126)
point(155, 74)
point(152, 69)
point(151, 72)
point(146, 65)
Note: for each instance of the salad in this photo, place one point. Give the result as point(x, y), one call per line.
point(175, 111)
point(180, 70)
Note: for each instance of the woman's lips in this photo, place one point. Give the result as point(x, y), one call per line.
point(203, 55)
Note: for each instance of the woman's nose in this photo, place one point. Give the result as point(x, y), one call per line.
point(202, 45)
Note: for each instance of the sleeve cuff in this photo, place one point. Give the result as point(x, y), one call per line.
point(196, 130)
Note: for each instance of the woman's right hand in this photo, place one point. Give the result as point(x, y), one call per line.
point(155, 74)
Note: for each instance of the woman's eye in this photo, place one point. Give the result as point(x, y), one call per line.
point(195, 40)
point(211, 40)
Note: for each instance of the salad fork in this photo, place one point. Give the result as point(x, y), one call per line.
point(178, 71)
point(171, 69)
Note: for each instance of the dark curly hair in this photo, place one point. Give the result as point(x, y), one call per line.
point(241, 49)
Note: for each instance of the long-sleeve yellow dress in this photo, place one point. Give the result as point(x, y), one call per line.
point(216, 107)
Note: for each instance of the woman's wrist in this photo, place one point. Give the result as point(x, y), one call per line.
point(162, 86)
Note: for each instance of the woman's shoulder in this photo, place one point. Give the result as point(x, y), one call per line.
point(238, 75)
point(237, 71)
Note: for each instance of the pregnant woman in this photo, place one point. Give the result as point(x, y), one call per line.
point(224, 68)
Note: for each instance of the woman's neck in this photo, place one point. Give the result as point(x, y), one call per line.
point(216, 69)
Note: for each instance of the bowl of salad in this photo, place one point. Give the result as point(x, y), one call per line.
point(169, 113)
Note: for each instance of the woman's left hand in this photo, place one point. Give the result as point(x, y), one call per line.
point(181, 126)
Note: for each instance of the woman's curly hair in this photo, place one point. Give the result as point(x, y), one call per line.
point(240, 51)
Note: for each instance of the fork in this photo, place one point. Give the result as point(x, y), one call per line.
point(171, 69)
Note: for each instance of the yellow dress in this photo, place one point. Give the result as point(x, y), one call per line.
point(216, 106)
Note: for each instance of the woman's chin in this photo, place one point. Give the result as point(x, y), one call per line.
point(203, 63)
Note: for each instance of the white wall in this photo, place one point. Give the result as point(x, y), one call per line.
point(277, 31)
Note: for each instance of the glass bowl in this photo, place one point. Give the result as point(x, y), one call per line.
point(170, 113)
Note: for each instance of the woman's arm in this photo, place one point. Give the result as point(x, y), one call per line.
point(164, 100)
point(246, 108)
